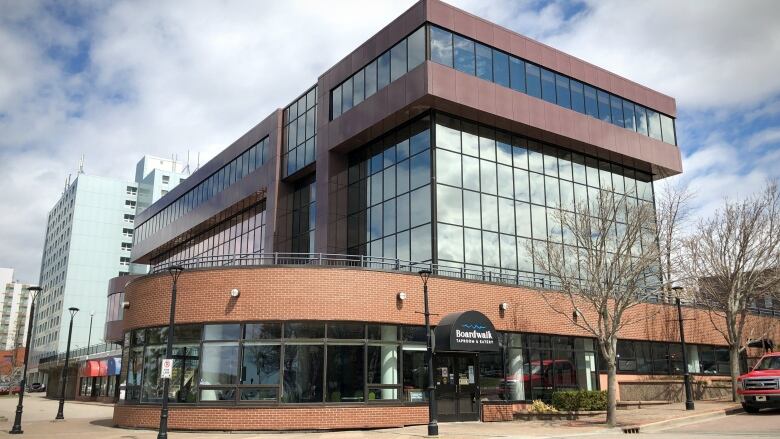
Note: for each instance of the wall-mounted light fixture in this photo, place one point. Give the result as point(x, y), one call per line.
point(234, 292)
point(401, 296)
point(504, 306)
point(125, 304)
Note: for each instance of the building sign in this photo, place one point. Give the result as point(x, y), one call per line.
point(467, 331)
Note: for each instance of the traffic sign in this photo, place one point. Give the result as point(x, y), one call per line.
point(167, 368)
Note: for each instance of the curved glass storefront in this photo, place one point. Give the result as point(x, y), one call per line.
point(337, 362)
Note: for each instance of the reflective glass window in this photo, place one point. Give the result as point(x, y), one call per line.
point(605, 111)
point(562, 90)
point(370, 78)
point(219, 364)
point(449, 206)
point(303, 373)
point(641, 119)
point(591, 103)
point(517, 74)
point(398, 60)
point(617, 110)
point(667, 128)
point(464, 55)
point(450, 242)
point(260, 365)
point(654, 124)
point(629, 119)
point(358, 88)
point(501, 68)
point(577, 97)
point(441, 46)
point(346, 95)
point(533, 80)
point(383, 70)
point(548, 86)
point(484, 62)
point(416, 47)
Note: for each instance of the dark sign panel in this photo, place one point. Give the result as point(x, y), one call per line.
point(466, 331)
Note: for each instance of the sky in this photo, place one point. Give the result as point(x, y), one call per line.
point(114, 80)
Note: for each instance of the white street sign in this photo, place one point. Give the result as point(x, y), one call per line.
point(167, 368)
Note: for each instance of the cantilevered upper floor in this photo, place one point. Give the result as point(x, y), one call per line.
point(434, 57)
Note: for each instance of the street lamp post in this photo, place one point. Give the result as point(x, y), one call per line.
point(60, 415)
point(89, 337)
point(175, 272)
point(17, 427)
point(433, 426)
point(686, 376)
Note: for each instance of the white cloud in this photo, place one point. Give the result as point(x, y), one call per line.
point(164, 79)
point(768, 136)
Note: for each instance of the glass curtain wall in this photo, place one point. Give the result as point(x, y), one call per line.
point(389, 195)
point(386, 68)
point(473, 58)
point(242, 233)
point(241, 166)
point(300, 126)
point(497, 196)
point(300, 216)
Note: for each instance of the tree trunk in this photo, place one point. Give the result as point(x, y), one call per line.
point(735, 373)
point(611, 394)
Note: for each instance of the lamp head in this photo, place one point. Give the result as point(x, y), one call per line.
point(35, 289)
point(73, 310)
point(175, 271)
point(424, 274)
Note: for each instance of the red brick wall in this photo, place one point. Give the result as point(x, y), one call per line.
point(271, 418)
point(328, 293)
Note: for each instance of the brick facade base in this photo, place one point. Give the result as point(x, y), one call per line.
point(271, 418)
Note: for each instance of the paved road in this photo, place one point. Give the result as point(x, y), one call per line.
point(765, 424)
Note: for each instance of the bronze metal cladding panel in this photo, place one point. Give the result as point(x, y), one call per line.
point(504, 39)
point(265, 177)
point(466, 95)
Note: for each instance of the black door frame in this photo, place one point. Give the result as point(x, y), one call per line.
point(449, 395)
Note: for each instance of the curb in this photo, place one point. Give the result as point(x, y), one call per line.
point(669, 423)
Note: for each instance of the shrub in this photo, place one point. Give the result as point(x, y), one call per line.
point(539, 407)
point(576, 400)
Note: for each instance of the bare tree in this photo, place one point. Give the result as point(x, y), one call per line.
point(735, 258)
point(673, 213)
point(607, 262)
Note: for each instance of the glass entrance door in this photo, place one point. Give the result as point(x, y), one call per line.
point(457, 387)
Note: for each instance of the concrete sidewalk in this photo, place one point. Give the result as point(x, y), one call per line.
point(90, 420)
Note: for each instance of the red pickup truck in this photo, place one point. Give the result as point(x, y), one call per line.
point(760, 388)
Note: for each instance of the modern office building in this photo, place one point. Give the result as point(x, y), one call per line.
point(15, 307)
point(88, 242)
point(442, 142)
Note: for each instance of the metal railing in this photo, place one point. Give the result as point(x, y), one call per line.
point(81, 352)
point(357, 261)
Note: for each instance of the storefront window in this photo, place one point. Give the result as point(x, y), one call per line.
point(415, 374)
point(303, 373)
point(152, 389)
point(345, 373)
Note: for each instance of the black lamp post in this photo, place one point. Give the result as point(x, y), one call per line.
point(433, 426)
point(60, 415)
point(89, 337)
point(686, 376)
point(175, 272)
point(17, 427)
